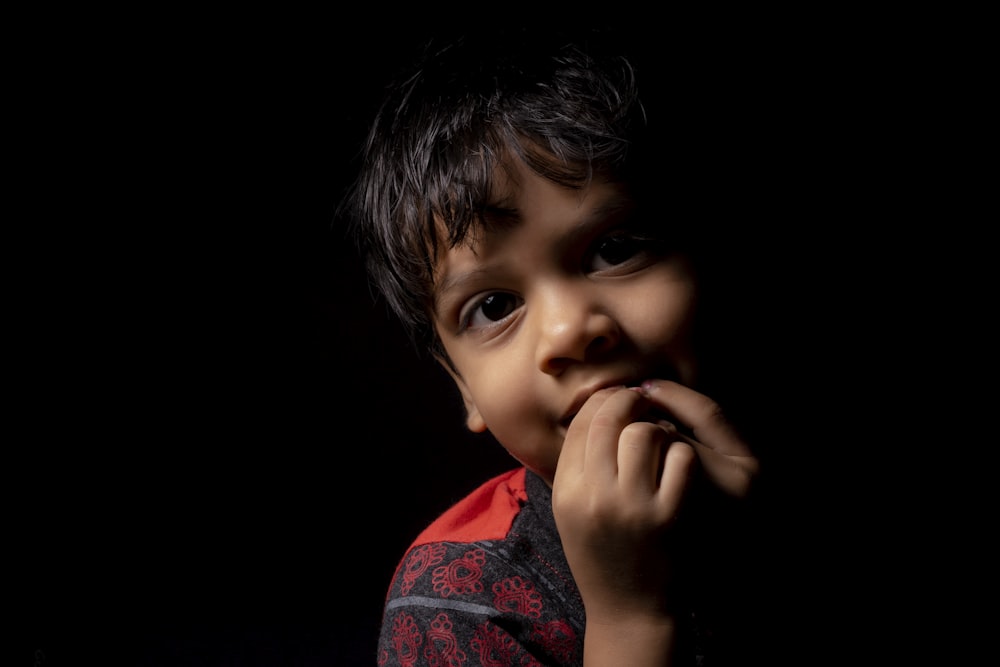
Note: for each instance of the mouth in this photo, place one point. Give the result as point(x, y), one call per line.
point(584, 395)
point(654, 415)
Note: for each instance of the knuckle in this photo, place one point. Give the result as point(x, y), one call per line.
point(640, 432)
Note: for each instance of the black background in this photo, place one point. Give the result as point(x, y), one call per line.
point(223, 444)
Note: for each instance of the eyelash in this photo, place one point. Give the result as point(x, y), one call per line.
point(634, 243)
point(477, 306)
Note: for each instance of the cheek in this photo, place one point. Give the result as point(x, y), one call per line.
point(506, 398)
point(664, 325)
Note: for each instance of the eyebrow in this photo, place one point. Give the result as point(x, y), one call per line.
point(611, 209)
point(450, 282)
point(498, 218)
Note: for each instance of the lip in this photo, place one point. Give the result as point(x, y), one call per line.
point(585, 393)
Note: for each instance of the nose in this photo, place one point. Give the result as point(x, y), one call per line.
point(573, 326)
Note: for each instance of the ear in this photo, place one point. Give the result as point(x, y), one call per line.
point(473, 420)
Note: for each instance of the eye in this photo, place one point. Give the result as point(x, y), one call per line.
point(492, 308)
point(621, 247)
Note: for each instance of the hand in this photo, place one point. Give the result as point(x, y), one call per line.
point(619, 486)
point(617, 489)
point(725, 457)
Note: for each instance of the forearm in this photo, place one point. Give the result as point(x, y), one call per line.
point(633, 641)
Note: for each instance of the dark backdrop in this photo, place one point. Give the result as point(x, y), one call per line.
point(224, 444)
point(229, 444)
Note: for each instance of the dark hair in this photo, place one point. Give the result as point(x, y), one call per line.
point(566, 105)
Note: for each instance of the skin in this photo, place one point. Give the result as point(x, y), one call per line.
point(580, 362)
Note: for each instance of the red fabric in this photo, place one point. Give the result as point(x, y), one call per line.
point(485, 514)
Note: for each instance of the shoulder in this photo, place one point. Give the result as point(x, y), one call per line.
point(485, 514)
point(486, 579)
point(500, 537)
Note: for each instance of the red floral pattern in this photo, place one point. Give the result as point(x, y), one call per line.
point(442, 648)
point(517, 595)
point(557, 636)
point(494, 647)
point(406, 638)
point(506, 602)
point(462, 575)
point(420, 559)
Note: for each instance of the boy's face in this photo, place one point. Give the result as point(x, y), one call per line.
point(565, 295)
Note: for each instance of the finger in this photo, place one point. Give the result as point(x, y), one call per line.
point(678, 465)
point(641, 452)
point(724, 455)
point(699, 413)
point(617, 411)
point(572, 457)
point(733, 474)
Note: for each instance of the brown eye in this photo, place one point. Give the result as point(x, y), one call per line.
point(497, 306)
point(494, 307)
point(617, 249)
point(622, 249)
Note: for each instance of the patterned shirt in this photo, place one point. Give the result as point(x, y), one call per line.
point(486, 584)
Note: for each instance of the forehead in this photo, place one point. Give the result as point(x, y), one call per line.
point(528, 218)
point(519, 195)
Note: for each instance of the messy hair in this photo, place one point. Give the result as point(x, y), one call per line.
point(567, 108)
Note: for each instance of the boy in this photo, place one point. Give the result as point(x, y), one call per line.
point(512, 210)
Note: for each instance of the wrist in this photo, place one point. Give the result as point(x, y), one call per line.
point(634, 639)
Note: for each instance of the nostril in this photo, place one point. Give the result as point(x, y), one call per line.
point(556, 366)
point(600, 344)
